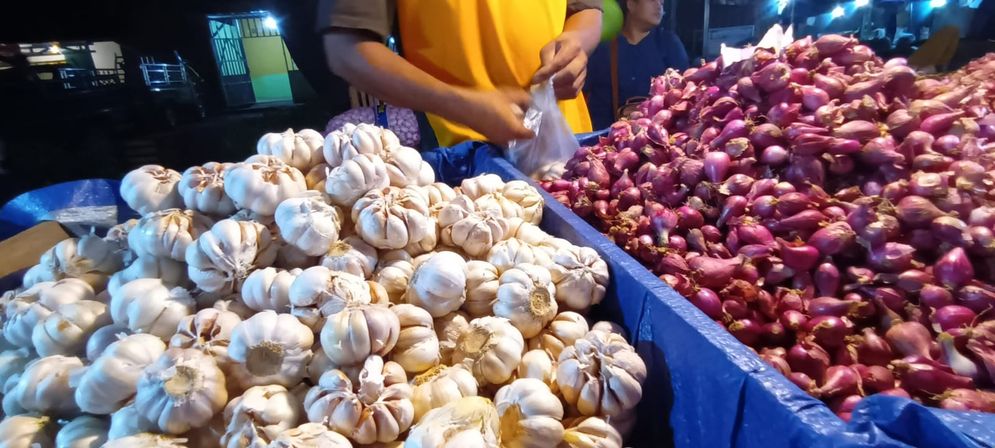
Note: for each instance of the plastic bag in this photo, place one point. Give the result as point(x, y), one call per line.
point(554, 142)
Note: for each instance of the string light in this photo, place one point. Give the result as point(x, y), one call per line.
point(837, 12)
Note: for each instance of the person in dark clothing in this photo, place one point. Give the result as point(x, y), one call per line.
point(644, 50)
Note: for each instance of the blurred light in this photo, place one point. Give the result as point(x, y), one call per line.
point(269, 22)
point(937, 3)
point(782, 5)
point(55, 49)
point(861, 3)
point(837, 12)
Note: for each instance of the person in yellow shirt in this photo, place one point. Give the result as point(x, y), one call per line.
point(466, 63)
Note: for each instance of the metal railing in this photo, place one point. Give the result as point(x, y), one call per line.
point(164, 75)
point(81, 78)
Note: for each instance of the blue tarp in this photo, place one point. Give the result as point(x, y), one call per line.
point(92, 202)
point(704, 388)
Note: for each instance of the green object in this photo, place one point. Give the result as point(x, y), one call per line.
point(611, 20)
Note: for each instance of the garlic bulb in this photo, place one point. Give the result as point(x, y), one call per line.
point(260, 415)
point(27, 309)
point(394, 278)
point(289, 256)
point(147, 306)
point(497, 204)
point(438, 193)
point(273, 348)
point(467, 422)
point(310, 435)
point(527, 232)
point(348, 182)
point(581, 277)
point(44, 385)
point(391, 218)
point(601, 374)
point(316, 176)
point(358, 331)
point(538, 364)
point(96, 254)
point(351, 254)
point(147, 440)
point(209, 330)
point(308, 223)
point(481, 288)
point(269, 289)
point(406, 167)
point(473, 231)
point(589, 432)
point(85, 431)
point(167, 233)
point(530, 414)
point(377, 409)
point(117, 237)
point(448, 329)
point(40, 273)
point(481, 185)
point(525, 297)
point(301, 150)
point(203, 189)
point(172, 273)
point(319, 292)
point(491, 348)
point(610, 327)
point(261, 184)
point(440, 385)
point(12, 362)
point(127, 421)
point(563, 331)
point(438, 284)
point(527, 197)
point(112, 379)
point(66, 331)
point(27, 431)
point(181, 390)
point(64, 259)
point(513, 251)
point(222, 257)
point(427, 244)
point(103, 338)
point(352, 140)
point(11, 402)
point(151, 188)
point(318, 364)
point(417, 348)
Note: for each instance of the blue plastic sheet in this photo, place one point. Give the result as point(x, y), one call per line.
point(92, 202)
point(705, 388)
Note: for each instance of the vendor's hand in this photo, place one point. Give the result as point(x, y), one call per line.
point(498, 114)
point(565, 60)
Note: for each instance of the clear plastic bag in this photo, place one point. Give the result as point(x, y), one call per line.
point(554, 141)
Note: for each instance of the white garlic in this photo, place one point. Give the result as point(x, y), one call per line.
point(538, 364)
point(167, 233)
point(481, 288)
point(29, 307)
point(467, 422)
point(27, 431)
point(581, 277)
point(103, 338)
point(601, 374)
point(440, 385)
point(358, 331)
point(319, 292)
point(316, 176)
point(203, 189)
point(352, 140)
point(513, 251)
point(351, 254)
point(463, 226)
point(40, 273)
point(525, 297)
point(448, 329)
point(563, 331)
point(147, 440)
point(391, 218)
point(12, 362)
point(208, 330)
point(527, 197)
point(405, 167)
point(289, 256)
point(222, 257)
point(377, 409)
point(527, 232)
point(273, 348)
point(491, 348)
point(96, 255)
point(476, 187)
point(85, 431)
point(181, 390)
point(590, 432)
point(147, 306)
point(112, 379)
point(349, 181)
point(44, 386)
point(260, 415)
point(530, 414)
point(127, 421)
point(172, 273)
point(301, 150)
point(261, 184)
point(394, 278)
point(64, 260)
point(269, 289)
point(438, 284)
point(151, 188)
point(497, 204)
point(66, 331)
point(438, 193)
point(310, 435)
point(308, 223)
point(417, 348)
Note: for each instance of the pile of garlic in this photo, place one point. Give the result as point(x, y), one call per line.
point(324, 292)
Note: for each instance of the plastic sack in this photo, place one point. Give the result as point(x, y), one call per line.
point(554, 142)
point(77, 205)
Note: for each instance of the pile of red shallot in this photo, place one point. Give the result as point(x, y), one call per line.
point(833, 211)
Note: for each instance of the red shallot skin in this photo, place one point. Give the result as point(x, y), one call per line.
point(831, 210)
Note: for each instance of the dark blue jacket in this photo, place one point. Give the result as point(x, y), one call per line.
point(637, 65)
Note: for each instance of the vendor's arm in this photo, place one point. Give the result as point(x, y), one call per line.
point(565, 58)
point(355, 51)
